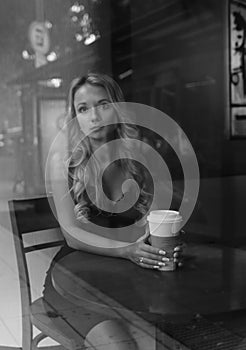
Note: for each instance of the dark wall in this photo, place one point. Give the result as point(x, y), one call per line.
point(180, 66)
point(179, 60)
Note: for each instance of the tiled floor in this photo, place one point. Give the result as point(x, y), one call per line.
point(10, 308)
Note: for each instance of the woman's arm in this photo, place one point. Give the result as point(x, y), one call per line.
point(77, 237)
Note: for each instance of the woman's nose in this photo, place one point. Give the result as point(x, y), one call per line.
point(95, 115)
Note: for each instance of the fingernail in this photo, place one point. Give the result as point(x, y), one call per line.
point(165, 259)
point(161, 264)
point(162, 252)
point(156, 267)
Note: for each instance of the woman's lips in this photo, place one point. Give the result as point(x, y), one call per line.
point(96, 129)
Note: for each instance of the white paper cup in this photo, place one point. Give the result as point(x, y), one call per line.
point(164, 228)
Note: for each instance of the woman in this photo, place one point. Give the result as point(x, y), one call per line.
point(93, 200)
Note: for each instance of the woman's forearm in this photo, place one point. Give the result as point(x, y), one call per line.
point(83, 240)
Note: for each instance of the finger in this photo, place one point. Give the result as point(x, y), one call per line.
point(146, 266)
point(154, 254)
point(181, 245)
point(178, 248)
point(179, 261)
point(153, 250)
point(152, 262)
point(155, 257)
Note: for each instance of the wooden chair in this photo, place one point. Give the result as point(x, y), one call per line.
point(30, 217)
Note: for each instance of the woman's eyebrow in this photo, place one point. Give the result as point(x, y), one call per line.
point(81, 103)
point(85, 103)
point(103, 100)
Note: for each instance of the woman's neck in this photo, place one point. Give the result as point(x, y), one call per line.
point(103, 149)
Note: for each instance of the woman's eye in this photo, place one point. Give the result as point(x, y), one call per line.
point(104, 106)
point(83, 109)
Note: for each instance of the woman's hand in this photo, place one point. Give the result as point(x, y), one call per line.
point(146, 256)
point(178, 252)
point(177, 255)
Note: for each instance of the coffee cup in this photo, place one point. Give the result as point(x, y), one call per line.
point(164, 228)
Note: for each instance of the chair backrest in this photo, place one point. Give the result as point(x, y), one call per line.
point(34, 228)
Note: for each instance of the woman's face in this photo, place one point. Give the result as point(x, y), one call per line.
point(93, 112)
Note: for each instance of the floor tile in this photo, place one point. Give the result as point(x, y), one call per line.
point(8, 275)
point(10, 305)
point(14, 326)
point(7, 253)
point(6, 337)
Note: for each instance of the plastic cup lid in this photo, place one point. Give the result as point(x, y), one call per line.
point(159, 216)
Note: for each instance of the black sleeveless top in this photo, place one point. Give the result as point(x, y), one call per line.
point(104, 219)
point(109, 219)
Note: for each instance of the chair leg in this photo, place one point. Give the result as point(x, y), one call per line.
point(28, 343)
point(37, 340)
point(27, 333)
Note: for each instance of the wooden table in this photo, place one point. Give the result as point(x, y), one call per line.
point(211, 281)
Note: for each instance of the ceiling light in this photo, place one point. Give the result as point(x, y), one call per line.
point(74, 18)
point(79, 37)
point(25, 55)
point(52, 56)
point(77, 8)
point(91, 38)
point(48, 25)
point(56, 82)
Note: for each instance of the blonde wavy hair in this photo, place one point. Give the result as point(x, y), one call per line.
point(81, 151)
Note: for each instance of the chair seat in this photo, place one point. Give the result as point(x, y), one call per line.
point(41, 315)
